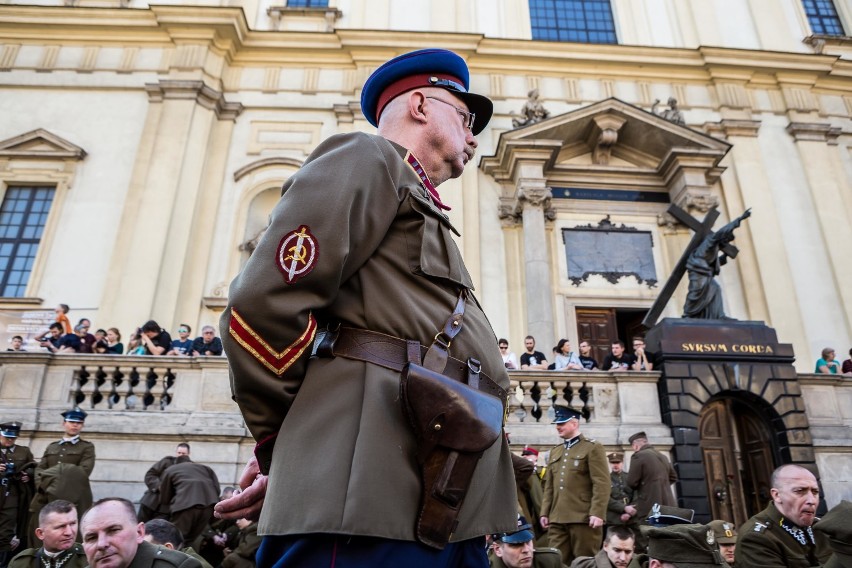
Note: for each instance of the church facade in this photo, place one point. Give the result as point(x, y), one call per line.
point(143, 145)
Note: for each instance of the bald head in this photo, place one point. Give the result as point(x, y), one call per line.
point(111, 533)
point(795, 493)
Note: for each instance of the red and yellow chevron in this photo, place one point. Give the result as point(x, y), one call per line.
point(276, 361)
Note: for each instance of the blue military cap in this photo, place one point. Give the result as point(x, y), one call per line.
point(74, 415)
point(523, 534)
point(10, 429)
point(419, 69)
point(564, 414)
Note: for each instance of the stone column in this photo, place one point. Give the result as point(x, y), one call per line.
point(533, 201)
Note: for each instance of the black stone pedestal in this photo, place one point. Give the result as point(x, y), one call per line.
point(706, 360)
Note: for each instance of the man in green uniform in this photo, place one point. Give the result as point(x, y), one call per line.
point(161, 531)
point(516, 550)
point(16, 488)
point(726, 538)
point(64, 469)
point(360, 246)
point(617, 550)
point(57, 531)
point(150, 505)
point(576, 490)
point(622, 507)
point(782, 534)
point(114, 538)
point(651, 475)
point(243, 555)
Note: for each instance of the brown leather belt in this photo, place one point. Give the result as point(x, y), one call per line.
point(392, 353)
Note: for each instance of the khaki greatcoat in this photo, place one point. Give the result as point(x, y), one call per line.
point(651, 475)
point(385, 261)
point(762, 543)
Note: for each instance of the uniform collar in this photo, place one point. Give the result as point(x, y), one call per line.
point(572, 442)
point(424, 179)
point(73, 440)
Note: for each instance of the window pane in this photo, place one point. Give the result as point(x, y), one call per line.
point(23, 215)
point(823, 18)
point(307, 3)
point(572, 20)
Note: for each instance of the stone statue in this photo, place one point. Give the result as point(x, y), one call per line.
point(672, 114)
point(533, 111)
point(251, 244)
point(704, 299)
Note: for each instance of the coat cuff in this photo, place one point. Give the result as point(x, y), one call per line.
point(263, 453)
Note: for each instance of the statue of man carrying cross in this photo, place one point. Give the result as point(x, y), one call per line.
point(703, 257)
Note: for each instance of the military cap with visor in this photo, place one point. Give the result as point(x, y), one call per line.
point(637, 436)
point(685, 546)
point(10, 429)
point(523, 534)
point(726, 533)
point(615, 457)
point(665, 515)
point(419, 69)
point(74, 415)
point(564, 414)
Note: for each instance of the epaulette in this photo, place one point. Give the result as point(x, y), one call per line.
point(547, 550)
point(174, 557)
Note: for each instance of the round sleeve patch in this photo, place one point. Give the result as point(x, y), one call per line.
point(297, 254)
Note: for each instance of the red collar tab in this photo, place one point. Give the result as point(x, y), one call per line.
point(414, 82)
point(433, 193)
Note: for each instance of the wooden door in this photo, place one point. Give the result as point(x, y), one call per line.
point(757, 458)
point(597, 326)
point(718, 448)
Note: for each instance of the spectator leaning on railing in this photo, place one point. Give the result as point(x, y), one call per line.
point(827, 364)
point(208, 343)
point(150, 339)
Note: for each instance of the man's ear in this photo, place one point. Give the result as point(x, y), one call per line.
point(498, 550)
point(416, 100)
point(39, 532)
point(140, 532)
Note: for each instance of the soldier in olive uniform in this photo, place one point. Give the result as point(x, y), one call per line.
point(57, 532)
point(622, 506)
point(576, 490)
point(651, 475)
point(726, 538)
point(782, 534)
point(16, 488)
point(150, 505)
point(682, 546)
point(360, 245)
point(64, 470)
point(243, 555)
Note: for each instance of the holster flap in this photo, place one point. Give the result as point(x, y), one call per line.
point(447, 413)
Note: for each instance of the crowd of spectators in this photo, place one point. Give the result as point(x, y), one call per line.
point(828, 364)
point(149, 339)
point(566, 359)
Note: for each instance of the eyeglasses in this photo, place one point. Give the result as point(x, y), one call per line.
point(183, 331)
point(469, 117)
point(504, 347)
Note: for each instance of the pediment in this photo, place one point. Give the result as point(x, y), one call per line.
point(607, 135)
point(40, 144)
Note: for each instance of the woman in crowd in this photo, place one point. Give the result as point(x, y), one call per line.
point(827, 364)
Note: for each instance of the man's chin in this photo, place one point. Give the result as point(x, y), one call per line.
point(806, 519)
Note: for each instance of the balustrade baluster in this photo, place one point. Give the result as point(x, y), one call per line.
point(150, 387)
point(97, 385)
point(87, 388)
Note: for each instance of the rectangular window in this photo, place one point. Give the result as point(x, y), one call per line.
point(22, 219)
point(823, 18)
point(583, 21)
point(307, 3)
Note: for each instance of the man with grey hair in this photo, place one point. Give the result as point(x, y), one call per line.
point(782, 534)
point(114, 538)
point(208, 344)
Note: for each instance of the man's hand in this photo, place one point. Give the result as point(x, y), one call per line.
point(13, 544)
point(544, 522)
point(630, 510)
point(595, 522)
point(624, 517)
point(248, 502)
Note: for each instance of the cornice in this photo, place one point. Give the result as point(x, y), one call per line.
point(205, 96)
point(814, 132)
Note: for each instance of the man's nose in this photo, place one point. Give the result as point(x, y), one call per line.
point(471, 139)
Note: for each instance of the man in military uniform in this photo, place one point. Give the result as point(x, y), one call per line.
point(617, 551)
point(114, 538)
point(836, 525)
point(150, 505)
point(782, 534)
point(243, 555)
point(726, 538)
point(189, 490)
point(651, 475)
point(64, 469)
point(57, 531)
point(621, 509)
point(16, 488)
point(530, 490)
point(161, 531)
point(359, 245)
point(576, 490)
point(516, 550)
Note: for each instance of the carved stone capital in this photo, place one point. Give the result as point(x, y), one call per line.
point(606, 134)
point(509, 212)
point(700, 201)
point(814, 132)
point(198, 91)
point(534, 194)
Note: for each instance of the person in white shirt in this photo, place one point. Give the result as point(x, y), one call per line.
point(509, 357)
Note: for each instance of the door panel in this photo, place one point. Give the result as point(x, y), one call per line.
point(718, 448)
point(597, 326)
point(757, 458)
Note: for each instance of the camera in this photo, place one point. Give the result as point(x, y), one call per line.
point(10, 469)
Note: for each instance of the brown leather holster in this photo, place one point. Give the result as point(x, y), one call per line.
point(454, 424)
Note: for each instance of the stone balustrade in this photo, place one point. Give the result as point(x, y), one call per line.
point(140, 407)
